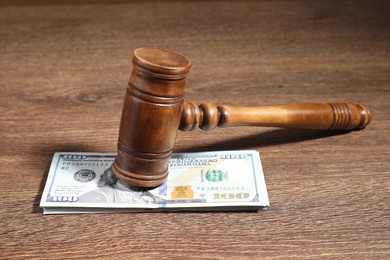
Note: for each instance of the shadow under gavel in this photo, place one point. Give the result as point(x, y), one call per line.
point(154, 110)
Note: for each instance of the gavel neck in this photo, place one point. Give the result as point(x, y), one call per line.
point(319, 116)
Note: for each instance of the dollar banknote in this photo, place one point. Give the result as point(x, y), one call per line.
point(223, 180)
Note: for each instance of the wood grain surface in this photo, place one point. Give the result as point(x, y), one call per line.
point(63, 75)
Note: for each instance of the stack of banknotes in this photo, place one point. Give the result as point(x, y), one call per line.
point(206, 181)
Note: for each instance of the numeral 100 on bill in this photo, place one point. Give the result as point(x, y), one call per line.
point(241, 195)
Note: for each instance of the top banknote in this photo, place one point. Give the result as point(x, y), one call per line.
point(208, 181)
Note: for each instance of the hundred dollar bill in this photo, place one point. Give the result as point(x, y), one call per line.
point(223, 180)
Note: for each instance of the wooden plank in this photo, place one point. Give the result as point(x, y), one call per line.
point(63, 75)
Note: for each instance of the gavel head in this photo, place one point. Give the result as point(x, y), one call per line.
point(151, 116)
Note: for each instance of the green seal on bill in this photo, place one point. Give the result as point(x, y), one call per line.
point(216, 175)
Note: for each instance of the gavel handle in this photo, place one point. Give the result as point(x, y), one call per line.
point(319, 116)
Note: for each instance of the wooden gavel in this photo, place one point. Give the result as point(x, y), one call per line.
point(154, 110)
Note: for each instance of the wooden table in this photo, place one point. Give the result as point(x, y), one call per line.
point(63, 73)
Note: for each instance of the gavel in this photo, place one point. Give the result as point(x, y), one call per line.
point(154, 110)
